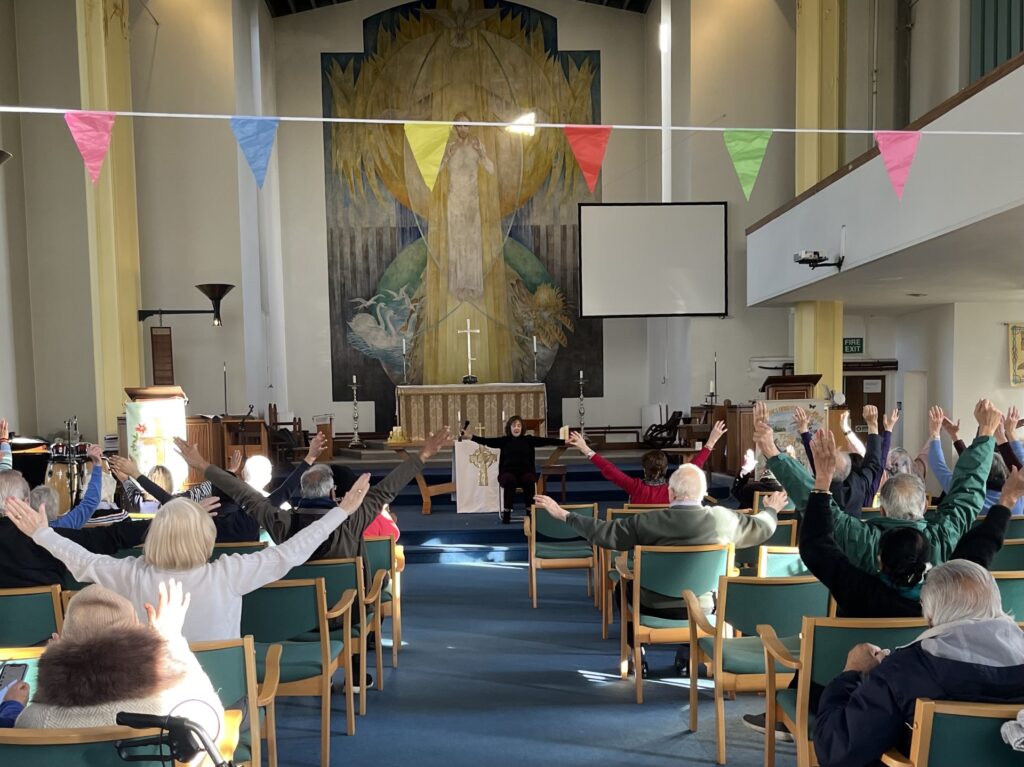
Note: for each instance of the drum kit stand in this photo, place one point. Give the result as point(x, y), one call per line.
point(64, 471)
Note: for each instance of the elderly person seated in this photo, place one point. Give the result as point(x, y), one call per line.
point(904, 501)
point(972, 652)
point(318, 491)
point(82, 513)
point(105, 661)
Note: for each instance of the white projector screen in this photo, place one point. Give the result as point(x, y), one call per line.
point(653, 259)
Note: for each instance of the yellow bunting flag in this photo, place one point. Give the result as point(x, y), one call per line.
point(427, 142)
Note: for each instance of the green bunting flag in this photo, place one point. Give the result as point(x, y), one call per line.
point(746, 148)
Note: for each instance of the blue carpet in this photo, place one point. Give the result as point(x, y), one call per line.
point(483, 679)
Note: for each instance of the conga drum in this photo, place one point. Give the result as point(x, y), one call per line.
point(64, 474)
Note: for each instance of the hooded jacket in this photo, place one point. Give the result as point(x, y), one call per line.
point(862, 716)
point(943, 527)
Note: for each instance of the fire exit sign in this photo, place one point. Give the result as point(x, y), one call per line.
point(853, 345)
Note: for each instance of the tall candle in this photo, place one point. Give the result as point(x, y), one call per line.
point(711, 386)
point(535, 344)
point(353, 379)
point(503, 416)
point(581, 375)
point(403, 347)
point(458, 418)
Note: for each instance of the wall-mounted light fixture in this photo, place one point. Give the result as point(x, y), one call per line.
point(214, 291)
point(5, 156)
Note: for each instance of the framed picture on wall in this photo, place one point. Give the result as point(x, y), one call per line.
point(787, 436)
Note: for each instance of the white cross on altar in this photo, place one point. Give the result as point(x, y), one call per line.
point(469, 345)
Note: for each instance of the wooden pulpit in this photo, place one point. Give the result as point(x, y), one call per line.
point(790, 387)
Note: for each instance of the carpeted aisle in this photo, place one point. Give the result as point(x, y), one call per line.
point(485, 679)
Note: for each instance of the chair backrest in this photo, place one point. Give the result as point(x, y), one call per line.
point(29, 616)
point(1010, 557)
point(780, 562)
point(546, 526)
point(339, 575)
point(380, 554)
point(92, 746)
point(644, 506)
point(1014, 528)
point(827, 641)
point(784, 535)
point(870, 512)
point(671, 570)
point(285, 609)
point(744, 602)
point(1011, 589)
point(244, 547)
point(231, 666)
point(953, 734)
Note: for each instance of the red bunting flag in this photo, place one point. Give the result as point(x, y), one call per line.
point(588, 143)
point(897, 149)
point(91, 132)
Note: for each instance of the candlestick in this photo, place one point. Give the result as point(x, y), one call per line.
point(535, 344)
point(355, 442)
point(711, 386)
point(582, 408)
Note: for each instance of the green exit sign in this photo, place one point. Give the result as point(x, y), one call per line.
point(853, 346)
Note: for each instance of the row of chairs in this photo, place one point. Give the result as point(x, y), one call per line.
point(301, 629)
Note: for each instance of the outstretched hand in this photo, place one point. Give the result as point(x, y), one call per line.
point(717, 430)
point(168, 617)
point(210, 504)
point(434, 442)
point(317, 445)
point(123, 467)
point(764, 439)
point(988, 417)
point(1013, 488)
point(551, 507)
point(824, 452)
point(191, 454)
point(936, 420)
point(235, 462)
point(4, 432)
point(801, 420)
point(1010, 423)
point(889, 421)
point(95, 453)
point(356, 494)
point(24, 517)
point(576, 440)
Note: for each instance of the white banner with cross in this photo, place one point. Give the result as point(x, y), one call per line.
point(476, 478)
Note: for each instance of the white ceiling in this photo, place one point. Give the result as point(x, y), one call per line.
point(980, 262)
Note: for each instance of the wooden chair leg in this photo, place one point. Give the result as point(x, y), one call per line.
point(769, 730)
point(394, 635)
point(533, 585)
point(325, 721)
point(380, 663)
point(362, 672)
point(638, 673)
point(719, 722)
point(270, 726)
point(350, 700)
point(693, 685)
point(589, 583)
point(396, 621)
point(623, 647)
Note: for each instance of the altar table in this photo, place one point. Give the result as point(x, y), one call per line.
point(425, 409)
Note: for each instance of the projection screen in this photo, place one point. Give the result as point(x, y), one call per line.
point(653, 259)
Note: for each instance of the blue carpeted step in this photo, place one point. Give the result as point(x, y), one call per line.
point(449, 554)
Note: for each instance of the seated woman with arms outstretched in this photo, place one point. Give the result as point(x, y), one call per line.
point(178, 545)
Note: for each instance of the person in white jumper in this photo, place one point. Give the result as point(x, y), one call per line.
point(178, 545)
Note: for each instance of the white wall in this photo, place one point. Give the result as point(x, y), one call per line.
point(982, 356)
point(942, 194)
point(939, 52)
point(299, 40)
point(865, 36)
point(878, 331)
point(187, 181)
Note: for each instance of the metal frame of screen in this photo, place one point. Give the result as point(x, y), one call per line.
point(725, 255)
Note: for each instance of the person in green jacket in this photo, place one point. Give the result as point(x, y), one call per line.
point(904, 501)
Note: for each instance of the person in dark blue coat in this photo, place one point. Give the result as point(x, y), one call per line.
point(972, 652)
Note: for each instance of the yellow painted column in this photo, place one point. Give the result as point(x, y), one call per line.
point(105, 81)
point(820, 36)
point(818, 342)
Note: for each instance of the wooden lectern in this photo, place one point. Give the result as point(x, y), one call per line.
point(790, 387)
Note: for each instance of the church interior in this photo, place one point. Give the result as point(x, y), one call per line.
point(339, 336)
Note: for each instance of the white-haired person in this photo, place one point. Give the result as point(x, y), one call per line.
point(106, 660)
point(972, 651)
point(686, 522)
point(178, 545)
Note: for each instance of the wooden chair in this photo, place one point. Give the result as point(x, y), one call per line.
point(1010, 557)
point(609, 574)
point(551, 470)
point(665, 570)
point(824, 645)
point(340, 576)
point(1011, 589)
point(662, 435)
point(780, 562)
point(738, 662)
point(93, 746)
point(382, 555)
point(243, 547)
point(870, 512)
point(29, 616)
point(231, 666)
point(279, 612)
point(755, 505)
point(561, 549)
point(952, 734)
point(644, 506)
point(784, 535)
point(65, 599)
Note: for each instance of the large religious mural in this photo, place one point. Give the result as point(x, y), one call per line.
point(495, 241)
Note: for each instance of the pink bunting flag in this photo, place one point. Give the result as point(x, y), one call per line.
point(897, 149)
point(91, 132)
point(588, 143)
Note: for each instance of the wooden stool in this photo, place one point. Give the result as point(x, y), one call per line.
point(554, 470)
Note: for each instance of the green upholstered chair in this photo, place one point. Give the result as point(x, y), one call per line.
point(29, 616)
point(870, 512)
point(553, 545)
point(824, 645)
point(1014, 529)
point(92, 746)
point(279, 613)
point(784, 535)
point(231, 666)
point(1011, 588)
point(1009, 558)
point(606, 569)
point(666, 570)
point(744, 603)
point(340, 576)
point(953, 734)
point(780, 562)
point(243, 547)
point(380, 553)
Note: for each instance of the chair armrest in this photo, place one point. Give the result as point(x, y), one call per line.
point(373, 595)
point(344, 604)
point(267, 691)
point(622, 565)
point(894, 758)
point(774, 647)
point(695, 614)
point(526, 526)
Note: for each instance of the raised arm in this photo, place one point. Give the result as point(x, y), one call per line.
point(287, 488)
point(618, 535)
point(717, 431)
point(6, 456)
point(83, 512)
point(608, 469)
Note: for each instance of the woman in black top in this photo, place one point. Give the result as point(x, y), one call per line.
point(517, 465)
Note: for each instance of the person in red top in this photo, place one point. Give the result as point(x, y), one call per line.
point(384, 524)
point(653, 488)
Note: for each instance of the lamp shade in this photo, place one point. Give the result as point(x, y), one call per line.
point(215, 291)
point(5, 156)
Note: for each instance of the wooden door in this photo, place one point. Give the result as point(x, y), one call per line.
point(861, 391)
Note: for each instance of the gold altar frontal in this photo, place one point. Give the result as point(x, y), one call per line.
point(425, 409)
